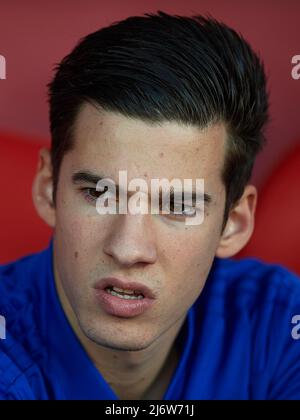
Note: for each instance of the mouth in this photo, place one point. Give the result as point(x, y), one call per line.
point(124, 299)
point(124, 288)
point(125, 293)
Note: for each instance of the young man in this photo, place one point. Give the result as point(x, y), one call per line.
point(139, 305)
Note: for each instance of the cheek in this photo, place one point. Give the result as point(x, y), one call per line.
point(190, 273)
point(73, 240)
point(189, 260)
point(74, 226)
point(71, 231)
point(78, 222)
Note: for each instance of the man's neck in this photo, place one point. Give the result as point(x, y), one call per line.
point(135, 375)
point(145, 374)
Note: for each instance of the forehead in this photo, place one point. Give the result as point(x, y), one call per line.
point(111, 142)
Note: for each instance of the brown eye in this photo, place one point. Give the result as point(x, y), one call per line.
point(91, 194)
point(184, 209)
point(189, 211)
point(94, 193)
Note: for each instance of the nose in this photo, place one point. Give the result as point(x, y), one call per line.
point(131, 240)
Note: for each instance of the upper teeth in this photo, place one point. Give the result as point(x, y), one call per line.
point(128, 292)
point(124, 293)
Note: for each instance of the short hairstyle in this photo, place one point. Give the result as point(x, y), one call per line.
point(160, 67)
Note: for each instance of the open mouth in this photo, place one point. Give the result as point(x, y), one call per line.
point(124, 293)
point(123, 298)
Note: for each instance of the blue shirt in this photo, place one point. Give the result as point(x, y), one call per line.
point(236, 343)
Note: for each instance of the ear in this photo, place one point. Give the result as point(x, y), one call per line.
point(42, 188)
point(240, 224)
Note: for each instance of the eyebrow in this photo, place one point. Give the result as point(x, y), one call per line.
point(92, 178)
point(86, 176)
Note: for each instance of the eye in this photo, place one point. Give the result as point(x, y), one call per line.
point(186, 211)
point(190, 211)
point(91, 194)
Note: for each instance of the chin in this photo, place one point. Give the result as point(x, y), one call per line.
point(122, 340)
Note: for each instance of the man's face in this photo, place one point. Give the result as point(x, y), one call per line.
point(159, 251)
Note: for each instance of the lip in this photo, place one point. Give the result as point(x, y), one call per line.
point(119, 307)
